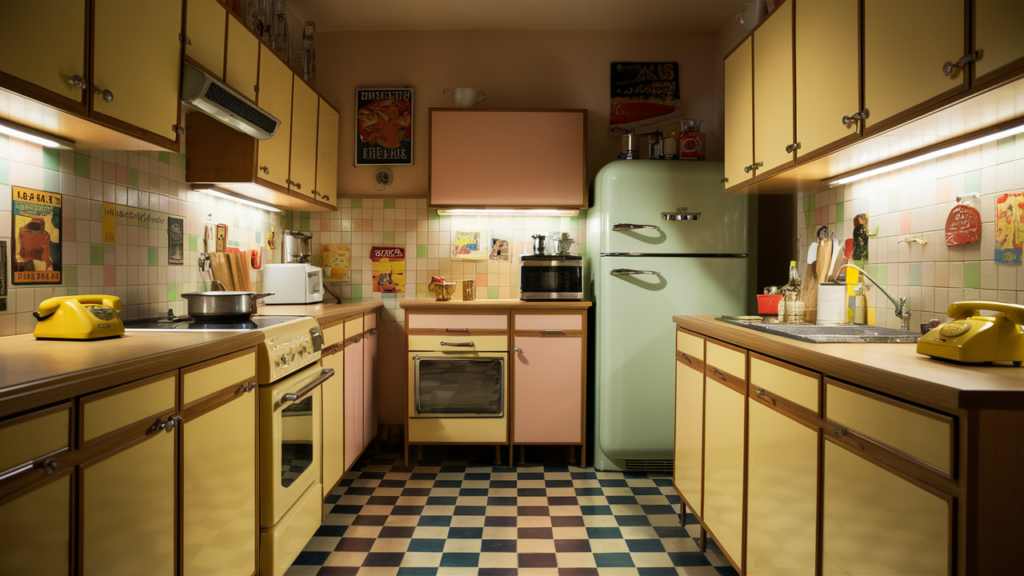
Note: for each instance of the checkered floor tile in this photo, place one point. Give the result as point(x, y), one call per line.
point(455, 517)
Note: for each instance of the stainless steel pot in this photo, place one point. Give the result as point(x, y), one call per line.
point(222, 304)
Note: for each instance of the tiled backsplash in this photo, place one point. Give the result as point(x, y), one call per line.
point(135, 267)
point(913, 203)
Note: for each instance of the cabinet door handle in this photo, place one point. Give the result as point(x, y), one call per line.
point(247, 387)
point(948, 67)
point(107, 95)
point(372, 332)
point(760, 392)
point(686, 357)
point(856, 117)
point(458, 344)
point(840, 432)
point(723, 181)
point(49, 465)
point(618, 227)
point(298, 186)
point(551, 331)
point(631, 272)
point(753, 166)
point(79, 82)
point(170, 424)
point(717, 373)
point(790, 148)
point(177, 129)
point(517, 350)
point(265, 169)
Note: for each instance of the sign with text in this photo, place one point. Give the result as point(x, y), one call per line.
point(644, 96)
point(963, 225)
point(35, 237)
point(388, 269)
point(384, 126)
point(109, 224)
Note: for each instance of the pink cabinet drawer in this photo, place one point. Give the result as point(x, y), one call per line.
point(458, 322)
point(564, 322)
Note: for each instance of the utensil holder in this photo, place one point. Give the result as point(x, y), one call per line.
point(468, 290)
point(444, 291)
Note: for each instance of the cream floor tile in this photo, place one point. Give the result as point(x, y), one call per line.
point(322, 544)
point(476, 483)
point(387, 492)
point(696, 571)
point(462, 545)
point(651, 559)
point(606, 545)
point(680, 545)
point(471, 501)
point(410, 500)
point(534, 522)
point(638, 532)
point(627, 510)
point(345, 559)
point(390, 545)
point(531, 546)
point(402, 521)
point(500, 533)
point(347, 500)
point(468, 521)
point(575, 560)
point(438, 511)
point(362, 532)
point(619, 572)
point(502, 511)
point(561, 491)
point(569, 533)
point(499, 560)
point(565, 511)
point(444, 492)
point(532, 501)
point(617, 491)
point(592, 500)
point(430, 532)
point(599, 521)
point(425, 559)
point(379, 570)
point(503, 492)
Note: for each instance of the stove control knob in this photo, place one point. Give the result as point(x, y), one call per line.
point(284, 359)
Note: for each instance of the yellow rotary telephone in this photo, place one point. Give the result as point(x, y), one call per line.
point(79, 317)
point(973, 338)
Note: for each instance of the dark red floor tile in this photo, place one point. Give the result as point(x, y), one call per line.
point(355, 544)
point(557, 501)
point(572, 545)
point(362, 520)
point(338, 571)
point(382, 501)
point(578, 572)
point(407, 510)
point(383, 559)
point(533, 511)
point(535, 533)
point(396, 532)
point(506, 521)
point(537, 561)
point(567, 521)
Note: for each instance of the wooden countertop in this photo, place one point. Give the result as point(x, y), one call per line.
point(895, 369)
point(34, 372)
point(432, 304)
point(324, 313)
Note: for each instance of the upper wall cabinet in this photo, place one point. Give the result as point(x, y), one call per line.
point(241, 63)
point(774, 136)
point(997, 38)
point(906, 46)
point(739, 115)
point(535, 158)
point(137, 67)
point(204, 35)
point(302, 165)
point(327, 155)
point(827, 85)
point(276, 98)
point(53, 71)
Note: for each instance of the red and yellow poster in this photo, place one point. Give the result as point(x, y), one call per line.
point(1009, 228)
point(384, 119)
point(388, 269)
point(644, 95)
point(36, 239)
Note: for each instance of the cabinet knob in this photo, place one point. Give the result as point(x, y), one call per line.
point(717, 373)
point(840, 432)
point(107, 95)
point(50, 466)
point(170, 424)
point(753, 166)
point(289, 182)
point(790, 148)
point(949, 67)
point(264, 169)
point(723, 181)
point(298, 186)
point(856, 117)
point(518, 350)
point(184, 39)
point(760, 392)
point(79, 82)
point(177, 129)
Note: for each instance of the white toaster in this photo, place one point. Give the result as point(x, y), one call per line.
point(293, 283)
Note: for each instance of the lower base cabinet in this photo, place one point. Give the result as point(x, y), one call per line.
point(128, 509)
point(723, 466)
point(333, 420)
point(354, 398)
point(782, 503)
point(35, 529)
point(689, 448)
point(876, 523)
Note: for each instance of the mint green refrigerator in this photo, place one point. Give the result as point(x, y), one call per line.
point(662, 239)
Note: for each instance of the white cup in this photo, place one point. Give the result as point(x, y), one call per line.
point(466, 97)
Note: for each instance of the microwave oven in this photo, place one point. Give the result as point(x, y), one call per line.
point(544, 277)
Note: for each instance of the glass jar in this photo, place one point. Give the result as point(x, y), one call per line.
point(691, 140)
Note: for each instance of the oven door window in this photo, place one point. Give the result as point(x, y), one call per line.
point(552, 279)
point(460, 387)
point(296, 440)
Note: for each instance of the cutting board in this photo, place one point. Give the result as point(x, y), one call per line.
point(239, 272)
point(221, 271)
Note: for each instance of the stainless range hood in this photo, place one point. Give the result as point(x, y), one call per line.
point(206, 94)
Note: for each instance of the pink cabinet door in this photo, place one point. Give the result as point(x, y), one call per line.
point(369, 396)
point(353, 402)
point(548, 390)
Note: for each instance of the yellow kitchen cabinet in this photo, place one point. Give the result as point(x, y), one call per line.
point(303, 146)
point(137, 67)
point(241, 65)
point(997, 38)
point(204, 28)
point(724, 446)
point(219, 519)
point(275, 96)
point(687, 469)
point(827, 78)
point(906, 45)
point(876, 522)
point(782, 484)
point(326, 189)
point(739, 115)
point(774, 138)
point(45, 70)
point(35, 529)
point(333, 421)
point(127, 509)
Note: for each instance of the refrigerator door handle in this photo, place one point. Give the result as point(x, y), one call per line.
point(616, 227)
point(630, 272)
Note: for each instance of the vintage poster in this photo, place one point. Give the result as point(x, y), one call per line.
point(3, 275)
point(470, 245)
point(384, 126)
point(1009, 228)
point(388, 269)
point(644, 95)
point(175, 241)
point(36, 237)
point(109, 224)
point(963, 225)
point(336, 260)
point(501, 250)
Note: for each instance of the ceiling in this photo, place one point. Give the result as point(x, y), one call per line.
point(591, 15)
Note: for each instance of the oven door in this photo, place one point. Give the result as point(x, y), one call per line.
point(289, 440)
point(551, 280)
point(458, 385)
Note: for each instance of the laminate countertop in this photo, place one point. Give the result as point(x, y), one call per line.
point(324, 313)
point(894, 369)
point(433, 304)
point(35, 373)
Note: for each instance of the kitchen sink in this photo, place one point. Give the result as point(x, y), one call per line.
point(841, 334)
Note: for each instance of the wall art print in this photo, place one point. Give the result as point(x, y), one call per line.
point(501, 250)
point(1009, 228)
point(35, 237)
point(643, 96)
point(175, 241)
point(384, 118)
point(388, 269)
point(336, 260)
point(470, 245)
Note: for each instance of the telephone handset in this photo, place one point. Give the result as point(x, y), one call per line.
point(83, 317)
point(977, 338)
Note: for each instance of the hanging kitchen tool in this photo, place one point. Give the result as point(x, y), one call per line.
point(222, 237)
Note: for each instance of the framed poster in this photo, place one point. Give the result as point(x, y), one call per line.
point(644, 95)
point(471, 245)
point(388, 269)
point(384, 126)
point(175, 241)
point(35, 237)
point(336, 260)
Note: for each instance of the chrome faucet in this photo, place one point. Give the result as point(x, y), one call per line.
point(902, 311)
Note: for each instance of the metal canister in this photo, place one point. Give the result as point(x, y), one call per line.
point(468, 290)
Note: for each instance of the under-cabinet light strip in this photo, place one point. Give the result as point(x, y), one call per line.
point(218, 194)
point(34, 136)
point(932, 155)
point(506, 212)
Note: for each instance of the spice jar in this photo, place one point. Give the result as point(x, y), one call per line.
point(691, 140)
